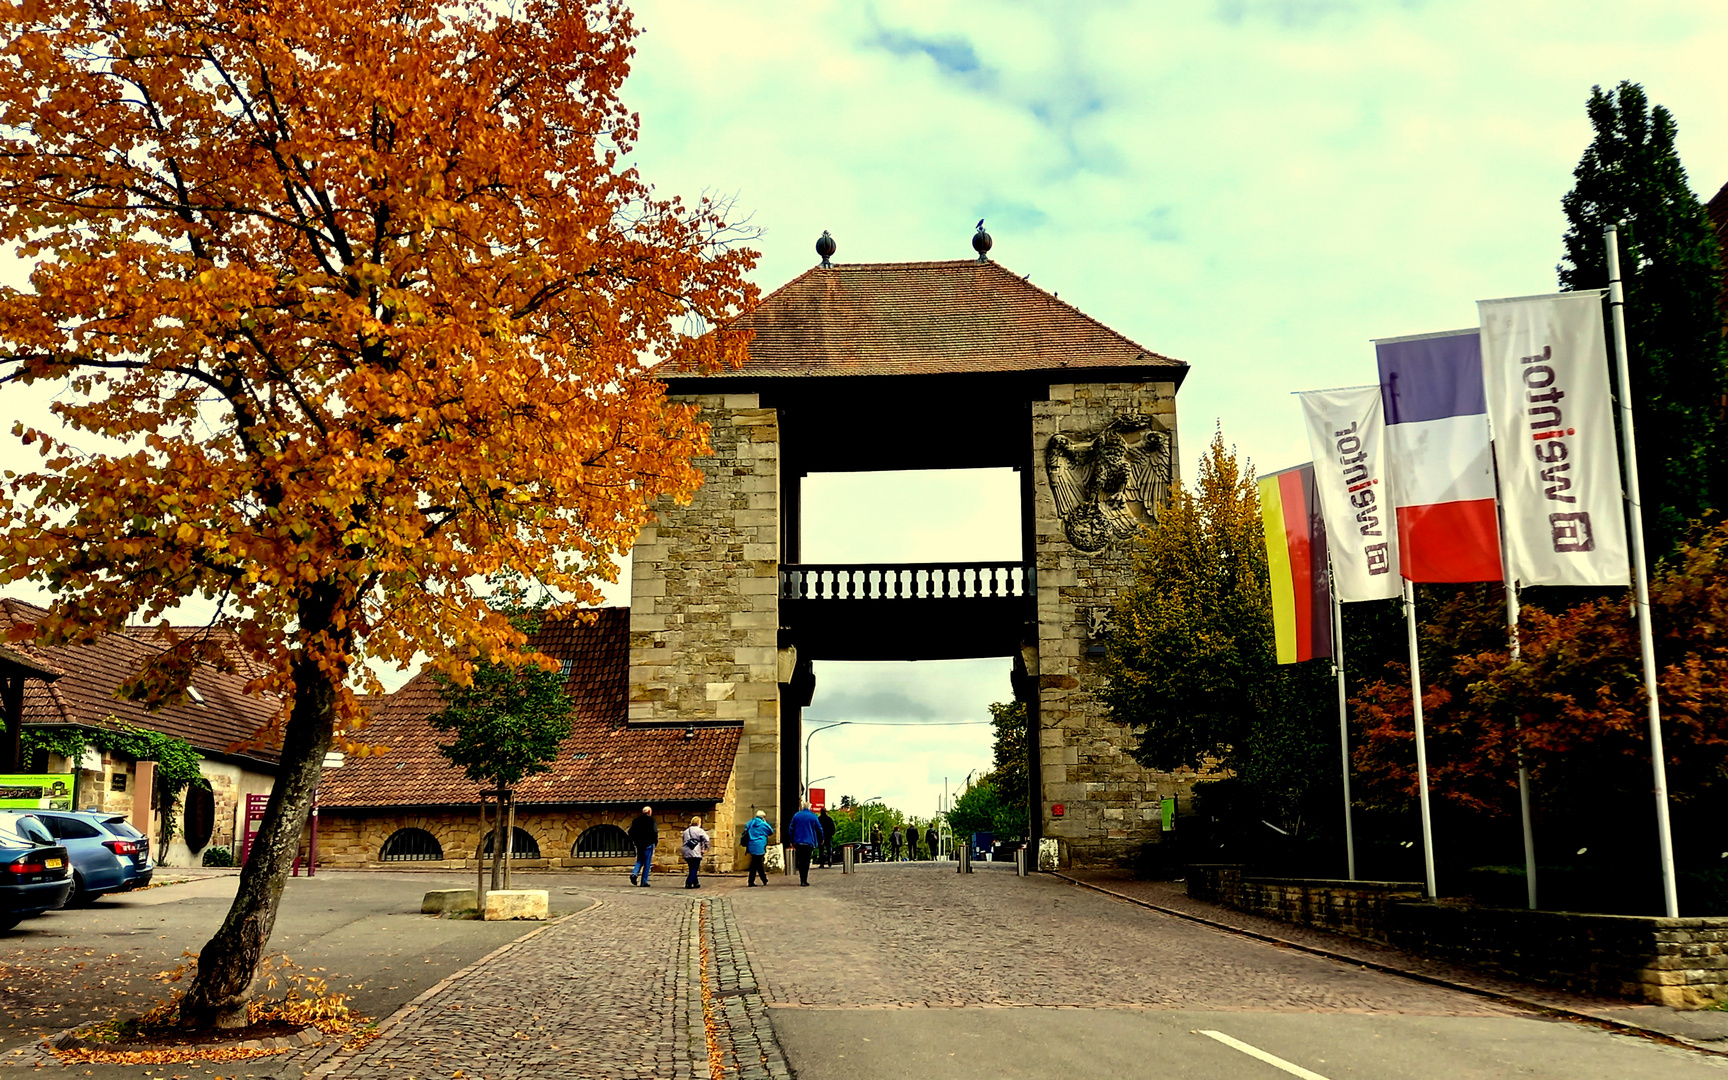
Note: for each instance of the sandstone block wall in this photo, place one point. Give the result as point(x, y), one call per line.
point(1111, 803)
point(349, 838)
point(1357, 908)
point(704, 598)
point(1682, 963)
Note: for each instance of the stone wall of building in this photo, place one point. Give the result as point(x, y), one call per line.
point(704, 606)
point(1110, 803)
point(355, 838)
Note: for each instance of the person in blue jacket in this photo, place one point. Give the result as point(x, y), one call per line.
point(806, 837)
point(756, 834)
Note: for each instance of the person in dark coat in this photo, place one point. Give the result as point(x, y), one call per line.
point(876, 840)
point(644, 833)
point(806, 838)
point(932, 841)
point(828, 827)
point(912, 842)
point(894, 842)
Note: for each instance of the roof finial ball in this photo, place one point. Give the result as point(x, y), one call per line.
point(981, 242)
point(826, 247)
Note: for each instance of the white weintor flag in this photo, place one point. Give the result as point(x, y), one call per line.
point(1347, 433)
point(1545, 371)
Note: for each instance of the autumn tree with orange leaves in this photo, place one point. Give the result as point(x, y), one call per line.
point(359, 304)
point(1574, 704)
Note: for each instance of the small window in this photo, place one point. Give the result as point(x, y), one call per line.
point(411, 845)
point(522, 845)
point(603, 842)
point(192, 691)
point(117, 782)
point(565, 667)
point(119, 826)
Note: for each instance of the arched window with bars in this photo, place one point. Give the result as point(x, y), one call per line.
point(603, 842)
point(522, 845)
point(411, 845)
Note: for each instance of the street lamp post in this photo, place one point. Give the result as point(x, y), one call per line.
point(864, 819)
point(807, 738)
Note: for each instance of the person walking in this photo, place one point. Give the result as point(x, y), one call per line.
point(695, 846)
point(806, 837)
point(644, 833)
point(876, 840)
point(912, 842)
point(828, 828)
point(894, 842)
point(756, 834)
point(931, 840)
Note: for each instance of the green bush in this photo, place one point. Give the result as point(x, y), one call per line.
point(216, 855)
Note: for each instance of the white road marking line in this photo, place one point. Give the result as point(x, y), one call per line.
point(1270, 1059)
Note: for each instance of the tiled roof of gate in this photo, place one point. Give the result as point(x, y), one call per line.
point(603, 760)
point(928, 318)
point(90, 674)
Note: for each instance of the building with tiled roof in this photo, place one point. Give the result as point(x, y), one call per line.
point(373, 806)
point(218, 718)
point(951, 365)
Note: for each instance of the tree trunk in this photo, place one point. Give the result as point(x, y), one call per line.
point(498, 828)
point(229, 961)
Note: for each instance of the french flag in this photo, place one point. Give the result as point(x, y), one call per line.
point(1439, 457)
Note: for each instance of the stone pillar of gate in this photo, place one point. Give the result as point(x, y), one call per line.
point(704, 598)
point(1109, 802)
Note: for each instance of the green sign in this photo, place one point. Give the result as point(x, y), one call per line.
point(39, 791)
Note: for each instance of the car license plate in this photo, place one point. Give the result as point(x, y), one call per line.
point(53, 864)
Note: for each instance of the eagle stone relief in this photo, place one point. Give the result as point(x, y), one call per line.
point(1096, 479)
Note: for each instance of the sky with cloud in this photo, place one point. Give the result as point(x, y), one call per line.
point(1257, 187)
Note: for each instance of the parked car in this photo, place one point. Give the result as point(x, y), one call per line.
point(35, 872)
point(107, 853)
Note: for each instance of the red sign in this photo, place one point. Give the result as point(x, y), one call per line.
point(818, 799)
point(1057, 809)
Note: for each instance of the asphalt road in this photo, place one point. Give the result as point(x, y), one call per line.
point(1112, 1044)
point(359, 930)
point(875, 976)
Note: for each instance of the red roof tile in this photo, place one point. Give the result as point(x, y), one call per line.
point(603, 760)
point(928, 318)
point(92, 673)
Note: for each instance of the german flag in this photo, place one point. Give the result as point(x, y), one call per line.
point(1296, 558)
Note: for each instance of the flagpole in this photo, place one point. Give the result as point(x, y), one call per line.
point(1343, 719)
point(1523, 772)
point(1421, 745)
point(1640, 576)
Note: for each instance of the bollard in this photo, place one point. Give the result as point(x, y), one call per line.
point(965, 864)
point(846, 853)
point(786, 859)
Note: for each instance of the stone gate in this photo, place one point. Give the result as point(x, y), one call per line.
point(931, 365)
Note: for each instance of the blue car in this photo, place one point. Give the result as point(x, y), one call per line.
point(35, 872)
point(108, 855)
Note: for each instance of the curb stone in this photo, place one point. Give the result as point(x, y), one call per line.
point(1587, 1016)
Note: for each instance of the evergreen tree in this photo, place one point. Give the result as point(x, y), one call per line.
point(1670, 260)
point(1192, 662)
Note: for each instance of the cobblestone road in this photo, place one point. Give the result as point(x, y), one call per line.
point(898, 936)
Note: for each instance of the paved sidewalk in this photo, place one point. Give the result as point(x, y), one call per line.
point(1706, 1029)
